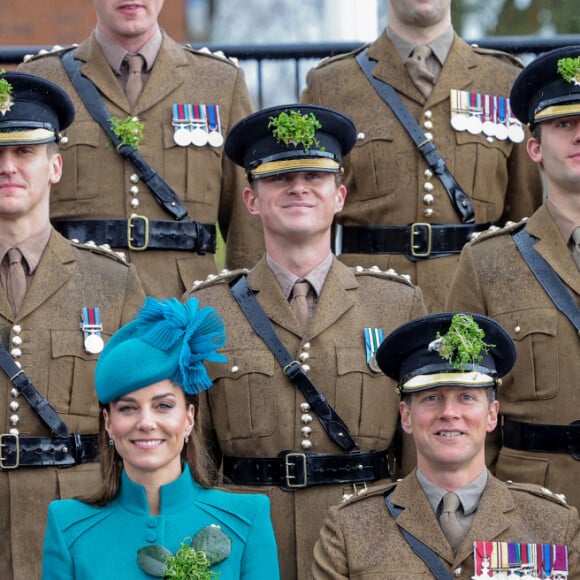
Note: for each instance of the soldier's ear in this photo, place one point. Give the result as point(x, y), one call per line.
point(251, 200)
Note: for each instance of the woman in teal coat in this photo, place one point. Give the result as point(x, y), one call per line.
point(156, 507)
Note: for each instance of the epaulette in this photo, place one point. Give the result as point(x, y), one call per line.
point(389, 274)
point(56, 50)
point(224, 276)
point(538, 491)
point(364, 491)
point(494, 231)
point(510, 58)
point(218, 54)
point(102, 250)
point(336, 57)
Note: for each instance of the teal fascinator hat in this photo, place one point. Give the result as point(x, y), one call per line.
point(165, 340)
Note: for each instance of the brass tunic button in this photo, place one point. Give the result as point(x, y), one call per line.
point(134, 203)
point(360, 136)
point(305, 368)
point(14, 406)
point(16, 352)
point(306, 444)
point(429, 136)
point(134, 178)
point(14, 431)
point(306, 431)
point(306, 418)
point(235, 369)
point(428, 198)
point(64, 140)
point(134, 190)
point(428, 174)
point(306, 346)
point(517, 329)
point(16, 340)
point(15, 392)
point(427, 114)
point(14, 419)
point(17, 329)
point(304, 407)
point(428, 212)
point(428, 125)
point(303, 356)
point(428, 186)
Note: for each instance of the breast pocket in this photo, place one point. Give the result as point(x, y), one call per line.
point(243, 400)
point(194, 172)
point(534, 334)
point(481, 167)
point(82, 173)
point(71, 374)
point(374, 162)
point(365, 400)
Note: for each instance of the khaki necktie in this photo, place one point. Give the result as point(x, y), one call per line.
point(576, 246)
point(299, 303)
point(134, 78)
point(16, 279)
point(449, 521)
point(417, 68)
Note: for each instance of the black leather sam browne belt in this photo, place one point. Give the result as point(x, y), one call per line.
point(417, 241)
point(140, 233)
point(542, 438)
point(293, 470)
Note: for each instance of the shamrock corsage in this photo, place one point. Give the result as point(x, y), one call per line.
point(193, 561)
point(128, 130)
point(293, 128)
point(6, 101)
point(463, 344)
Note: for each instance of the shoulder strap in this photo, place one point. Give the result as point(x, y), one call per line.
point(436, 567)
point(332, 423)
point(24, 385)
point(548, 279)
point(458, 197)
point(91, 97)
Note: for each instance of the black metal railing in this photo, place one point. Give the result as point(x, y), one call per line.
point(298, 58)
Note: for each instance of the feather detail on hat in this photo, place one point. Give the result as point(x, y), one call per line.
point(164, 324)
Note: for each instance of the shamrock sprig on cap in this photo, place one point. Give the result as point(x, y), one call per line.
point(569, 69)
point(463, 343)
point(294, 128)
point(6, 101)
point(193, 560)
point(128, 130)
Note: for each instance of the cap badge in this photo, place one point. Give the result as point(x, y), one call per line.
point(463, 343)
point(293, 128)
point(569, 69)
point(6, 101)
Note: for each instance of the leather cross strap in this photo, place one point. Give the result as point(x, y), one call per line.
point(458, 197)
point(432, 561)
point(24, 385)
point(548, 279)
point(329, 419)
point(90, 96)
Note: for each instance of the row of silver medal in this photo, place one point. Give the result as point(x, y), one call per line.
point(196, 134)
point(483, 117)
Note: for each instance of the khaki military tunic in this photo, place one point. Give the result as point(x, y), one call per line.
point(98, 183)
point(387, 178)
point(493, 279)
point(46, 339)
point(361, 540)
point(253, 409)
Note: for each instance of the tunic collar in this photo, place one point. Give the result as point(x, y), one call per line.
point(174, 496)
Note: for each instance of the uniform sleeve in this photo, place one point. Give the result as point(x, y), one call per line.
point(241, 231)
point(330, 559)
point(465, 293)
point(134, 295)
point(261, 553)
point(56, 559)
point(573, 543)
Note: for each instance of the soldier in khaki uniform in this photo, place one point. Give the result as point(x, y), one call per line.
point(389, 182)
point(450, 518)
point(539, 400)
point(59, 302)
point(268, 436)
point(100, 191)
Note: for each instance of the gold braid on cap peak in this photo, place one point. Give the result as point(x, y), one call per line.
point(31, 136)
point(301, 164)
point(558, 111)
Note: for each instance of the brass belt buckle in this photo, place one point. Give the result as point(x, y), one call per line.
point(301, 460)
point(130, 226)
point(415, 232)
point(3, 459)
